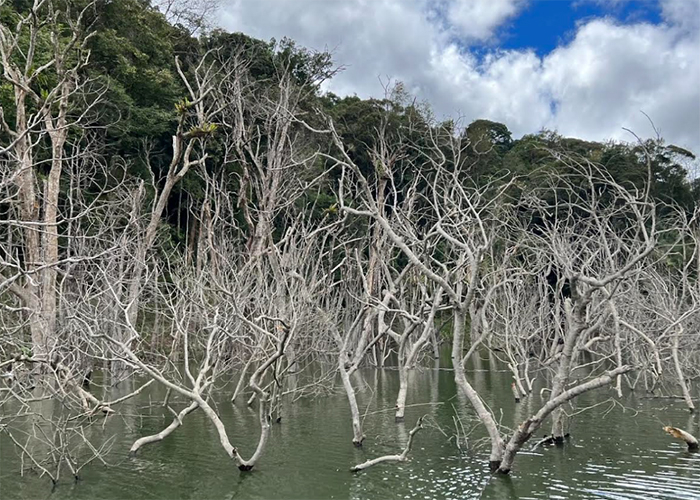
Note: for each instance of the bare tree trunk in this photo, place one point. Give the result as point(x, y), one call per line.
point(434, 340)
point(679, 370)
point(40, 253)
point(497, 443)
point(407, 360)
point(58, 133)
point(403, 390)
point(357, 436)
point(29, 211)
point(575, 316)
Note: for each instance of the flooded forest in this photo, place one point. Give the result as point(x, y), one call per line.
point(219, 279)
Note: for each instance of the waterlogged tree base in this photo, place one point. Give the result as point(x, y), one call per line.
point(552, 440)
point(688, 438)
point(560, 440)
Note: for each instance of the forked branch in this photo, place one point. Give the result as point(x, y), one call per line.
point(392, 458)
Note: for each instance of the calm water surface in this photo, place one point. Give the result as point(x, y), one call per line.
point(616, 451)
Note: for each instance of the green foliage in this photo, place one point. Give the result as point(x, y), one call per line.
point(183, 106)
point(133, 55)
point(488, 143)
point(132, 59)
point(204, 130)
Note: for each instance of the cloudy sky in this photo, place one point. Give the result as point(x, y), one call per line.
point(585, 68)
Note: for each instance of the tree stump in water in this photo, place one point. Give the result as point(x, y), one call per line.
point(689, 439)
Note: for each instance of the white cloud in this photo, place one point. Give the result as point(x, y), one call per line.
point(590, 88)
point(371, 38)
point(478, 20)
point(683, 13)
point(608, 74)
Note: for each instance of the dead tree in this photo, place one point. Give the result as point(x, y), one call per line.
point(351, 318)
point(662, 312)
point(231, 312)
point(602, 235)
point(595, 242)
point(39, 117)
point(267, 137)
point(460, 217)
point(197, 114)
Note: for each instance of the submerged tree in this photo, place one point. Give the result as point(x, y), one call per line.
point(220, 225)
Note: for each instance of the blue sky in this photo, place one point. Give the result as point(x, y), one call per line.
point(543, 25)
point(585, 68)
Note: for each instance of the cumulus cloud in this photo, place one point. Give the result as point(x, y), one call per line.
point(590, 87)
point(372, 39)
point(478, 20)
point(609, 73)
point(682, 13)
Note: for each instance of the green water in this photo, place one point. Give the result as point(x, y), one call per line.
point(616, 451)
